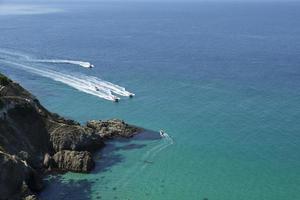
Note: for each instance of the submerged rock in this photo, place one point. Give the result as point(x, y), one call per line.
point(76, 161)
point(113, 128)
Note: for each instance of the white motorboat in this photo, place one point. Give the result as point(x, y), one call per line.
point(116, 99)
point(162, 133)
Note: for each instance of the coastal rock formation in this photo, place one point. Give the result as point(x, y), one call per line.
point(15, 175)
point(12, 175)
point(34, 141)
point(76, 161)
point(22, 128)
point(113, 128)
point(74, 137)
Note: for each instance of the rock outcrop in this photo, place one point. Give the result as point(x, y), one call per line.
point(76, 161)
point(34, 141)
point(12, 176)
point(74, 137)
point(15, 175)
point(113, 128)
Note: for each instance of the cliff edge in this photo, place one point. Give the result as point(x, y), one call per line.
point(34, 141)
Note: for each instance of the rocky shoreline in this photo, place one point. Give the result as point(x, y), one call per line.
point(35, 142)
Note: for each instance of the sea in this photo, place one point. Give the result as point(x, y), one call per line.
point(221, 78)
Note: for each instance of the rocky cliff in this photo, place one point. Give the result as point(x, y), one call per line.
point(34, 141)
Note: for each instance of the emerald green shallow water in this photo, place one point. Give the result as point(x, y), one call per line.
point(222, 79)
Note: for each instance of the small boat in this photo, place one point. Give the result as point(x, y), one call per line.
point(91, 66)
point(162, 133)
point(116, 99)
point(131, 95)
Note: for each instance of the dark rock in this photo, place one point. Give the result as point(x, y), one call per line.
point(23, 155)
point(25, 191)
point(113, 128)
point(63, 120)
point(76, 161)
point(12, 175)
point(17, 178)
point(4, 81)
point(34, 134)
point(33, 180)
point(24, 128)
point(74, 137)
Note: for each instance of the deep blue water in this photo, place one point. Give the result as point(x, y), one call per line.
point(222, 79)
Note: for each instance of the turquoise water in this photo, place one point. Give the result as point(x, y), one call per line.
point(222, 79)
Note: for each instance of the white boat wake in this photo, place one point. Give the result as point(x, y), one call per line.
point(27, 58)
point(146, 160)
point(73, 62)
point(77, 83)
point(167, 141)
point(116, 89)
point(88, 84)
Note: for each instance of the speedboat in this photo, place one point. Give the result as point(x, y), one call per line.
point(162, 133)
point(91, 66)
point(131, 95)
point(116, 99)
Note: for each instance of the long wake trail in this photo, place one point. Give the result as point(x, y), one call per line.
point(27, 58)
point(57, 61)
point(148, 156)
point(80, 84)
point(88, 84)
point(116, 89)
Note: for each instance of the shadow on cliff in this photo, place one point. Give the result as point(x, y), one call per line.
point(70, 190)
point(110, 156)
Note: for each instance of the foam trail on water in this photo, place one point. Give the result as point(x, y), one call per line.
point(88, 84)
point(134, 169)
point(14, 55)
point(75, 82)
point(24, 57)
point(56, 61)
point(167, 141)
point(112, 87)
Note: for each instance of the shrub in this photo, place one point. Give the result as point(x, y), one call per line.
point(4, 80)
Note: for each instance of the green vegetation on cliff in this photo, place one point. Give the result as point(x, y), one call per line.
point(4, 80)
